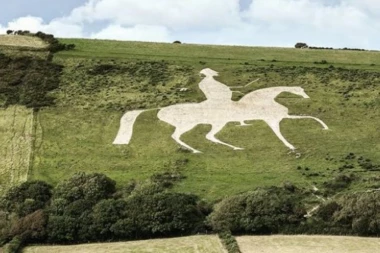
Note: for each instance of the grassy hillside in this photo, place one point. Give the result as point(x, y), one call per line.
point(307, 244)
point(193, 244)
point(101, 80)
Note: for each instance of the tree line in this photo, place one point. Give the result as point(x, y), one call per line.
point(54, 44)
point(90, 208)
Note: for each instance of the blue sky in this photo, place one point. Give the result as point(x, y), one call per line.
point(335, 23)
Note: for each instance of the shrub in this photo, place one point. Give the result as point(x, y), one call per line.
point(301, 45)
point(82, 186)
point(339, 183)
point(54, 44)
point(27, 81)
point(177, 42)
point(14, 246)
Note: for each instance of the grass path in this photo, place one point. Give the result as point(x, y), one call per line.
point(307, 244)
point(16, 127)
point(192, 244)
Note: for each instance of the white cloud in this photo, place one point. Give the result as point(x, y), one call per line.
point(346, 23)
point(307, 12)
point(338, 23)
point(174, 14)
point(136, 33)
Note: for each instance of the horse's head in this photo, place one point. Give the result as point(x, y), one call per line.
point(209, 72)
point(299, 91)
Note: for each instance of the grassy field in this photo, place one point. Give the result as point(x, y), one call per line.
point(102, 80)
point(307, 244)
point(16, 125)
point(193, 244)
point(22, 41)
point(211, 54)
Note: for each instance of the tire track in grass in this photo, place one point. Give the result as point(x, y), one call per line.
point(33, 136)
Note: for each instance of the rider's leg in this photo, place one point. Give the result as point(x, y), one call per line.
point(309, 117)
point(178, 133)
point(211, 136)
point(242, 123)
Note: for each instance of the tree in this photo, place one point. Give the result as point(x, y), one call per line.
point(301, 45)
point(9, 32)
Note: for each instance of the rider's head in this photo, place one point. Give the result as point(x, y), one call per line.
point(209, 72)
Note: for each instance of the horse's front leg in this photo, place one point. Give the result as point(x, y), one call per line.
point(216, 129)
point(179, 131)
point(275, 125)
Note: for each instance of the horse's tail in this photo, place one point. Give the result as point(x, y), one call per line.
point(126, 127)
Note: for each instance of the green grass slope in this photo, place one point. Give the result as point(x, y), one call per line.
point(101, 80)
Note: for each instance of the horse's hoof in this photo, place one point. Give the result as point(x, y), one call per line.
point(197, 152)
point(238, 148)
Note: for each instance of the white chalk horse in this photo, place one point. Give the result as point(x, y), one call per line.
point(257, 105)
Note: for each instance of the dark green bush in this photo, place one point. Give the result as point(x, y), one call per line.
point(356, 214)
point(165, 214)
point(263, 211)
point(27, 197)
point(90, 187)
point(31, 228)
point(229, 242)
point(339, 183)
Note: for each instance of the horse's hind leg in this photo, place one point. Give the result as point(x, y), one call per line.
point(177, 135)
point(275, 125)
point(211, 136)
point(309, 117)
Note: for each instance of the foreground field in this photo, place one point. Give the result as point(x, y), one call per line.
point(193, 244)
point(16, 126)
point(307, 244)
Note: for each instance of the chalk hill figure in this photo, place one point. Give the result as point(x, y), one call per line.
point(218, 110)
